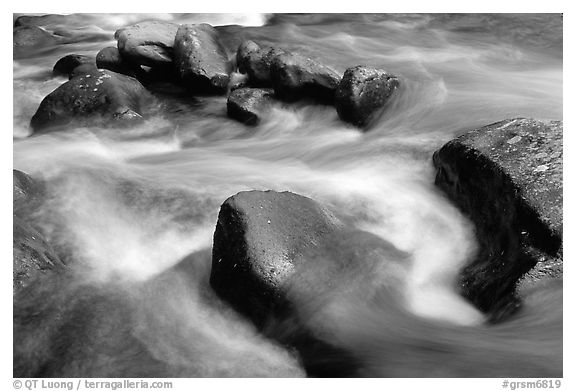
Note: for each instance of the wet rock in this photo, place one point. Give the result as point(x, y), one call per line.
point(32, 36)
point(495, 176)
point(276, 255)
point(110, 58)
point(96, 98)
point(200, 58)
point(82, 70)
point(256, 62)
point(362, 94)
point(247, 105)
point(68, 63)
point(295, 77)
point(32, 254)
point(149, 43)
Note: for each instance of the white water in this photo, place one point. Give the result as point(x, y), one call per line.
point(131, 204)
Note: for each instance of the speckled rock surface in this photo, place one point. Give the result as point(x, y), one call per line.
point(97, 97)
point(148, 43)
point(507, 177)
point(247, 105)
point(362, 94)
point(295, 77)
point(32, 254)
point(200, 58)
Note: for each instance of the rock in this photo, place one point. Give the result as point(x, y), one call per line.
point(32, 254)
point(94, 98)
point(247, 105)
point(148, 43)
point(110, 58)
point(41, 20)
point(32, 36)
point(295, 77)
point(256, 62)
point(494, 176)
point(362, 94)
point(68, 63)
point(276, 255)
point(200, 58)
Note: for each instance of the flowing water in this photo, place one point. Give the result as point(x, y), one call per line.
point(135, 209)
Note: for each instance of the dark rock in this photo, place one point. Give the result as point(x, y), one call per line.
point(362, 94)
point(149, 43)
point(248, 104)
point(93, 98)
point(275, 255)
point(110, 58)
point(295, 77)
point(68, 63)
point(507, 177)
point(200, 58)
point(32, 36)
point(256, 62)
point(32, 254)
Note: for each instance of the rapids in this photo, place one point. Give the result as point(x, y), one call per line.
point(128, 205)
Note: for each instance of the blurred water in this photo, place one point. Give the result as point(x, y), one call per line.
point(129, 204)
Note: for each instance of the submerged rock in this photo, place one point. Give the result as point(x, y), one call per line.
point(277, 256)
point(362, 94)
point(295, 77)
point(148, 43)
point(32, 254)
point(32, 36)
point(68, 63)
point(200, 58)
point(97, 97)
point(507, 177)
point(247, 105)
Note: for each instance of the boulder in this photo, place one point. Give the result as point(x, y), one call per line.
point(362, 94)
point(507, 177)
point(32, 36)
point(41, 20)
point(82, 70)
point(32, 254)
point(276, 256)
point(247, 105)
point(149, 43)
point(200, 59)
point(96, 98)
point(256, 62)
point(66, 64)
point(110, 58)
point(295, 77)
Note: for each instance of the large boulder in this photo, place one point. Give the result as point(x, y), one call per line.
point(149, 43)
point(362, 94)
point(507, 177)
point(247, 105)
point(98, 97)
point(32, 254)
point(295, 77)
point(277, 255)
point(255, 61)
point(67, 64)
point(200, 59)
